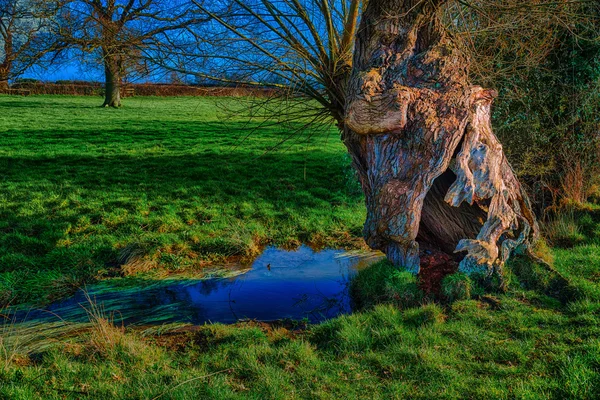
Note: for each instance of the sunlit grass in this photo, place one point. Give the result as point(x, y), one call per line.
point(161, 186)
point(516, 349)
point(80, 202)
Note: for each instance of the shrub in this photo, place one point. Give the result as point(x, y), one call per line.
point(27, 80)
point(83, 88)
point(551, 138)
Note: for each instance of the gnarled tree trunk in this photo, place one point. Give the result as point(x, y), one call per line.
point(434, 175)
point(112, 82)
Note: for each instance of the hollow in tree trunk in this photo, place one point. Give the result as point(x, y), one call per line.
point(112, 84)
point(434, 174)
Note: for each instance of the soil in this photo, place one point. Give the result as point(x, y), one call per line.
point(435, 266)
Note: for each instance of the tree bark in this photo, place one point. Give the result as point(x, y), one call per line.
point(433, 172)
point(6, 65)
point(3, 77)
point(112, 82)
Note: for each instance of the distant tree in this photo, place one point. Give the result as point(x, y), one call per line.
point(119, 33)
point(24, 35)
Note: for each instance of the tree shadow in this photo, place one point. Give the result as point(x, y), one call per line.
point(74, 198)
point(27, 102)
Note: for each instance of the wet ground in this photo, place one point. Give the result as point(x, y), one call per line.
point(298, 284)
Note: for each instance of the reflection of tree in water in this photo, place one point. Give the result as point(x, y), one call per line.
point(319, 307)
point(208, 286)
point(187, 293)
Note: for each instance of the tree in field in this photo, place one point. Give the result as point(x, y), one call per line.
point(24, 35)
point(434, 175)
point(118, 32)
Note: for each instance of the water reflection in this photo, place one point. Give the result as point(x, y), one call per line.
point(281, 284)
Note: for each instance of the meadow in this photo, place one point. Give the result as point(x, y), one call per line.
point(166, 186)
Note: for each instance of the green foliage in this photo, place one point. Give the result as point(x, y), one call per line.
point(382, 283)
point(169, 178)
point(546, 118)
point(457, 286)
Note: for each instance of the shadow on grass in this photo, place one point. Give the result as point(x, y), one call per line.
point(178, 199)
point(27, 102)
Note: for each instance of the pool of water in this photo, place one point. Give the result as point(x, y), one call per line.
point(280, 284)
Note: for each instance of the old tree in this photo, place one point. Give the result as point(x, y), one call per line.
point(119, 32)
point(438, 187)
point(433, 173)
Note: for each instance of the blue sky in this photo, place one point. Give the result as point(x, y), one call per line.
point(74, 70)
point(64, 71)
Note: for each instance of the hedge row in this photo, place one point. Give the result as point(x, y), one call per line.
point(145, 89)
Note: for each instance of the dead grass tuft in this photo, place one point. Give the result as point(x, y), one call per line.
point(105, 336)
point(573, 184)
point(11, 351)
point(134, 260)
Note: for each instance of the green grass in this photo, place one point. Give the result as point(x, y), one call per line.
point(383, 283)
point(518, 348)
point(538, 340)
point(522, 344)
point(163, 185)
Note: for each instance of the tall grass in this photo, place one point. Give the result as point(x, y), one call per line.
point(10, 347)
point(562, 230)
point(105, 335)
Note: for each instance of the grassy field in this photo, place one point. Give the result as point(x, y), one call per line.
point(78, 196)
point(539, 340)
point(162, 186)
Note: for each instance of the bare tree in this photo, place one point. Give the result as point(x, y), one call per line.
point(118, 31)
point(24, 35)
point(303, 47)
